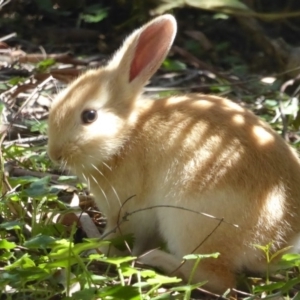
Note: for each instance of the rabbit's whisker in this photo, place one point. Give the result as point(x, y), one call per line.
point(102, 191)
point(112, 187)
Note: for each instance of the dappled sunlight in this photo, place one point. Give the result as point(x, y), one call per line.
point(203, 104)
point(212, 162)
point(274, 207)
point(262, 136)
point(177, 99)
point(238, 119)
point(209, 141)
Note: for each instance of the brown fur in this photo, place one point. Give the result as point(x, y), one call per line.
point(197, 152)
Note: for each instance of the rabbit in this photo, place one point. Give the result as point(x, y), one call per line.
point(194, 173)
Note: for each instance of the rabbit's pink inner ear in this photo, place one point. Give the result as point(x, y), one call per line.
point(152, 47)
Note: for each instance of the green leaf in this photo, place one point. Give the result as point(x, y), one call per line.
point(40, 126)
point(117, 261)
point(31, 274)
point(40, 242)
point(8, 277)
point(290, 284)
point(97, 279)
point(289, 260)
point(201, 256)
point(225, 6)
point(85, 294)
point(39, 187)
point(214, 88)
point(168, 5)
point(45, 64)
point(67, 178)
point(120, 292)
point(61, 249)
point(291, 257)
point(94, 14)
point(51, 229)
point(16, 80)
point(4, 244)
point(10, 225)
point(221, 5)
point(161, 279)
point(88, 245)
point(64, 262)
point(271, 104)
point(22, 180)
point(147, 273)
point(24, 262)
point(5, 256)
point(165, 295)
point(173, 65)
point(268, 287)
point(128, 271)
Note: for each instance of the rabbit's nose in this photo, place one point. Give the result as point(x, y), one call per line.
point(54, 155)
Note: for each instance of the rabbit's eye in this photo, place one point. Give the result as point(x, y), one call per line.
point(89, 116)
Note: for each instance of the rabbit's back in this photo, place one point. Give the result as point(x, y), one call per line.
point(212, 156)
point(213, 141)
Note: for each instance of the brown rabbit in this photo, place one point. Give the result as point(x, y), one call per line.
point(175, 160)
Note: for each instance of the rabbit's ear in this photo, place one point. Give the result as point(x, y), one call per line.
point(152, 46)
point(142, 53)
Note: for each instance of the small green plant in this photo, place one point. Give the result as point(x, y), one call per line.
point(286, 262)
point(94, 13)
point(189, 287)
point(45, 64)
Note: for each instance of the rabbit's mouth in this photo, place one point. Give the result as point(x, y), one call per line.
point(80, 160)
point(66, 156)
